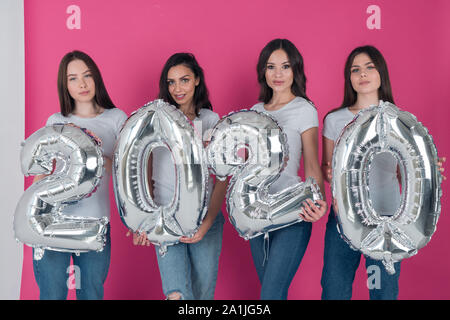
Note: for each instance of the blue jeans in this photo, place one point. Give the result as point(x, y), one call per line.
point(340, 265)
point(54, 275)
point(190, 269)
point(284, 253)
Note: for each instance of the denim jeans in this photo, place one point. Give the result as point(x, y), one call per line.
point(54, 275)
point(340, 265)
point(277, 263)
point(191, 268)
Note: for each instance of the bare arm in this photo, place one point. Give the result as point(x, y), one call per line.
point(39, 177)
point(310, 144)
point(327, 156)
point(215, 203)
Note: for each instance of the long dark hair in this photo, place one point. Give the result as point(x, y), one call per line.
point(384, 92)
point(201, 95)
point(298, 87)
point(67, 104)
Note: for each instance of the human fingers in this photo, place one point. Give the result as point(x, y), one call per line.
point(143, 238)
point(312, 210)
point(306, 212)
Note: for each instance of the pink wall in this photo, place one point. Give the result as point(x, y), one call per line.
point(130, 41)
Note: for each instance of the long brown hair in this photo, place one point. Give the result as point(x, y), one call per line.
point(298, 87)
point(67, 104)
point(385, 90)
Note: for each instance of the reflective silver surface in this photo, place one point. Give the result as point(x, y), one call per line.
point(38, 221)
point(159, 124)
point(251, 208)
point(377, 129)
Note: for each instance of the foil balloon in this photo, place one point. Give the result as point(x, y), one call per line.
point(38, 219)
point(252, 209)
point(159, 124)
point(386, 129)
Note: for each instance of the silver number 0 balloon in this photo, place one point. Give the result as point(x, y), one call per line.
point(252, 210)
point(158, 124)
point(38, 221)
point(377, 129)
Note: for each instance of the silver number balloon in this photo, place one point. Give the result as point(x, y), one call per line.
point(378, 129)
point(158, 124)
point(38, 221)
point(252, 209)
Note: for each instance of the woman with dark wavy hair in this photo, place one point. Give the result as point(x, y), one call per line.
point(283, 95)
point(188, 269)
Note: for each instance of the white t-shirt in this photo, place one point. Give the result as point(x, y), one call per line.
point(106, 126)
point(294, 118)
point(163, 174)
point(383, 184)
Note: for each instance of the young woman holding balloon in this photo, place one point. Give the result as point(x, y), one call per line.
point(189, 268)
point(366, 83)
point(283, 95)
point(85, 103)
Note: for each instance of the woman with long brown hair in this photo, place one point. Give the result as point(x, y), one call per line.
point(84, 102)
point(366, 83)
point(283, 95)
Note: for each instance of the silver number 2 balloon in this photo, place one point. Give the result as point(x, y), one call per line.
point(38, 221)
point(158, 124)
point(377, 129)
point(252, 209)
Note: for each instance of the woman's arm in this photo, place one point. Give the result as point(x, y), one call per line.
point(310, 145)
point(327, 157)
point(440, 164)
point(39, 177)
point(108, 165)
point(217, 197)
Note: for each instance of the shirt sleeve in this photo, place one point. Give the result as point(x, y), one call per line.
point(328, 130)
point(213, 121)
point(51, 120)
point(121, 118)
point(308, 118)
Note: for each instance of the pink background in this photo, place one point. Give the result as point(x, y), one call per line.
point(131, 40)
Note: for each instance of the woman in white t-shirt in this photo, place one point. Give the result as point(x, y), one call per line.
point(84, 102)
point(366, 82)
point(188, 269)
point(283, 95)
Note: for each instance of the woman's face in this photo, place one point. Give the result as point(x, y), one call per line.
point(364, 75)
point(80, 82)
point(279, 74)
point(182, 82)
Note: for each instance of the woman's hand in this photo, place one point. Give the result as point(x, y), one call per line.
point(440, 164)
point(312, 213)
point(139, 239)
point(217, 196)
point(198, 236)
